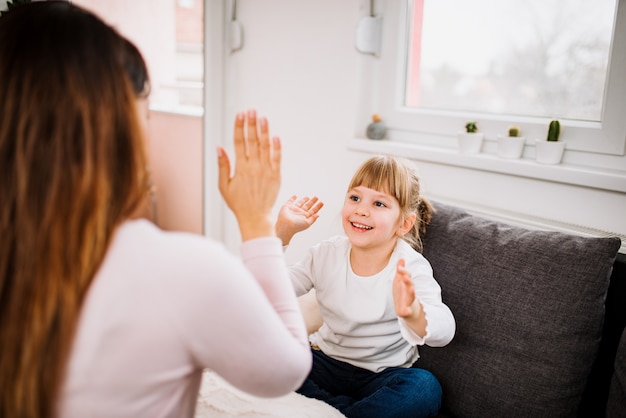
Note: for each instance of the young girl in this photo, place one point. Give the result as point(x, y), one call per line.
point(376, 294)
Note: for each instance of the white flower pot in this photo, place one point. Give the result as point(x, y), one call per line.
point(549, 152)
point(511, 146)
point(469, 143)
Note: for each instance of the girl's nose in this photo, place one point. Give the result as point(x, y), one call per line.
point(361, 210)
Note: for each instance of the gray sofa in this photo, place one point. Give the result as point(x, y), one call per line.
point(539, 319)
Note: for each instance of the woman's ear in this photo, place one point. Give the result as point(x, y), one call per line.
point(407, 223)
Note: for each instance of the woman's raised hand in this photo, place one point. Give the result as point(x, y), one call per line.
point(251, 191)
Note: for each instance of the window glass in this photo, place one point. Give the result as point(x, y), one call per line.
point(537, 58)
point(169, 34)
point(501, 65)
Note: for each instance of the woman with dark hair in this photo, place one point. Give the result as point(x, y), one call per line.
point(136, 69)
point(102, 315)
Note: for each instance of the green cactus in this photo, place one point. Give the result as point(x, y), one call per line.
point(514, 131)
point(471, 127)
point(554, 131)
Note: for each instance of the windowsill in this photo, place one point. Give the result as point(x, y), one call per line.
point(612, 180)
point(176, 109)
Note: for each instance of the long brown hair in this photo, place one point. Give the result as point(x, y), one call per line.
point(395, 176)
point(72, 169)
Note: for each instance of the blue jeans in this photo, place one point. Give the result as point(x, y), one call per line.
point(356, 392)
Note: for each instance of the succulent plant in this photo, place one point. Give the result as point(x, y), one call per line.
point(554, 130)
point(514, 131)
point(471, 127)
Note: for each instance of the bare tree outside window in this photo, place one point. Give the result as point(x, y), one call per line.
point(536, 58)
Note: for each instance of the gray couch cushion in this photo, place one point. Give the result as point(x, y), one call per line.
point(529, 307)
point(616, 405)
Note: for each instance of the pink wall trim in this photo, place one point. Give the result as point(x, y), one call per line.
point(175, 152)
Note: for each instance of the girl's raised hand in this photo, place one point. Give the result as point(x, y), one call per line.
point(251, 191)
point(403, 291)
point(407, 306)
point(296, 215)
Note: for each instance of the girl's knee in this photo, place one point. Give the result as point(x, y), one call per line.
point(428, 392)
point(429, 380)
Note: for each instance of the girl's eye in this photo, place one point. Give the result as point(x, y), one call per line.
point(380, 204)
point(354, 198)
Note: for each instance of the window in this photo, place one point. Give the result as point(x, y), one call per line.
point(444, 62)
point(528, 58)
point(169, 34)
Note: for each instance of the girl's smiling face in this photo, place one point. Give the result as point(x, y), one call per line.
point(372, 219)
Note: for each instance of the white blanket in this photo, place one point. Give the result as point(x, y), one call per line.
point(218, 399)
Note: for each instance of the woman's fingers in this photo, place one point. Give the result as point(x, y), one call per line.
point(223, 165)
point(252, 142)
point(263, 143)
point(250, 184)
point(240, 136)
point(276, 154)
point(252, 139)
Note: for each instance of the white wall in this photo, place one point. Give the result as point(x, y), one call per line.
point(299, 67)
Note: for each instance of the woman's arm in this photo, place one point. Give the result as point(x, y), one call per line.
point(274, 331)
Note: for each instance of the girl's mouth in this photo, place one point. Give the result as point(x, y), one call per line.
point(360, 226)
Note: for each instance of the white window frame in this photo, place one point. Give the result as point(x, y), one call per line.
point(431, 135)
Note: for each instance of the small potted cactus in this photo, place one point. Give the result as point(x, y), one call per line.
point(470, 140)
point(512, 145)
point(550, 150)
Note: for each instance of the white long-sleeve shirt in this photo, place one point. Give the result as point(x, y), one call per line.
point(360, 324)
point(164, 306)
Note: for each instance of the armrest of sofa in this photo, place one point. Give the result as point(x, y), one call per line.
point(616, 405)
point(606, 365)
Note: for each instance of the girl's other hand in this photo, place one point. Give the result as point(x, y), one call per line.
point(406, 304)
point(403, 291)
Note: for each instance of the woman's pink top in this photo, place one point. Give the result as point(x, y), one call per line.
point(164, 306)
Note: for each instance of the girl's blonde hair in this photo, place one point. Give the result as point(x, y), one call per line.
point(73, 168)
point(396, 176)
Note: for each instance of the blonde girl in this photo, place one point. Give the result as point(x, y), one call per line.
point(376, 293)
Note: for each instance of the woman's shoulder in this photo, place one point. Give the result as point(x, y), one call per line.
point(144, 232)
point(142, 242)
point(161, 263)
